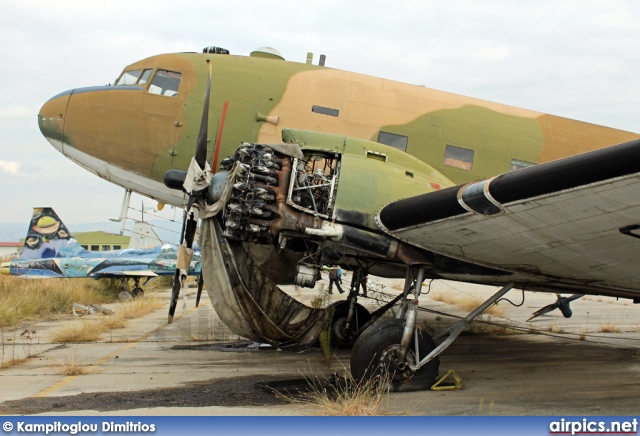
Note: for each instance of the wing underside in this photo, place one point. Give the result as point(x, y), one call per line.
point(571, 221)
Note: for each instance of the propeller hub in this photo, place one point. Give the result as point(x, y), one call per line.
point(218, 182)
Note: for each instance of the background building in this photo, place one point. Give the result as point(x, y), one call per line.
point(101, 241)
point(92, 241)
point(10, 249)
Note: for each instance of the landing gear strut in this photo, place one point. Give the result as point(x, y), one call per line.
point(350, 318)
point(401, 351)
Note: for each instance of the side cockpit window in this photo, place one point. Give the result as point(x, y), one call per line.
point(134, 77)
point(165, 83)
point(144, 77)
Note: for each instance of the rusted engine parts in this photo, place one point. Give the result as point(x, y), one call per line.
point(244, 297)
point(275, 198)
point(278, 196)
point(265, 199)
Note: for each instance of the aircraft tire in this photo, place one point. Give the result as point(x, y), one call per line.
point(339, 337)
point(124, 296)
point(374, 355)
point(137, 293)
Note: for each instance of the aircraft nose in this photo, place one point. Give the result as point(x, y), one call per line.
point(51, 119)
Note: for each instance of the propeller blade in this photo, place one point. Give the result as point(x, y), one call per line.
point(200, 286)
point(175, 293)
point(562, 301)
point(546, 309)
point(201, 147)
point(190, 230)
point(189, 224)
point(175, 290)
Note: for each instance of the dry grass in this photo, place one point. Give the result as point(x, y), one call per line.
point(607, 326)
point(90, 329)
point(166, 282)
point(349, 398)
point(399, 286)
point(80, 331)
point(465, 302)
point(323, 299)
point(12, 362)
point(71, 365)
point(24, 299)
point(481, 410)
point(139, 307)
point(553, 328)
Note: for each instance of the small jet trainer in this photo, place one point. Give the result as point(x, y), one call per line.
point(315, 166)
point(50, 251)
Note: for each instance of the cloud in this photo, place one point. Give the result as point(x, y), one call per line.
point(9, 167)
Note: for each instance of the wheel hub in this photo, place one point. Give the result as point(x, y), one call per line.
point(341, 332)
point(397, 369)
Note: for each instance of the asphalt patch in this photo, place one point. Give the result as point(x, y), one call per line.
point(236, 347)
point(297, 389)
point(232, 392)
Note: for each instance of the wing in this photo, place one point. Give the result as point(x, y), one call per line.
point(572, 221)
point(124, 273)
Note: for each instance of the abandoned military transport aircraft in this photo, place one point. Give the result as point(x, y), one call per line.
point(317, 166)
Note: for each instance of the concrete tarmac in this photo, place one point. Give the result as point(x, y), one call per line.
point(196, 366)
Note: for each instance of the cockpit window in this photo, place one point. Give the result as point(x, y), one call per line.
point(129, 78)
point(144, 78)
point(165, 83)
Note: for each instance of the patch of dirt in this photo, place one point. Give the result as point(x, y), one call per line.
point(232, 392)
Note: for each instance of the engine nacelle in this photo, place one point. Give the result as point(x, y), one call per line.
point(317, 190)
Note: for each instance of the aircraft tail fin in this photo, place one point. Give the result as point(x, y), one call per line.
point(47, 236)
point(143, 236)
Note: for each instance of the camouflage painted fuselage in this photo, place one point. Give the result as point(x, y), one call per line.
point(132, 136)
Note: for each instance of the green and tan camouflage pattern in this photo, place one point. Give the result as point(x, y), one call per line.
point(148, 134)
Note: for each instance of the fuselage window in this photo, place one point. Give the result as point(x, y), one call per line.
point(517, 164)
point(165, 83)
point(458, 157)
point(393, 140)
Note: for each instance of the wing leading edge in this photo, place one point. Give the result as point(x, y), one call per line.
point(570, 221)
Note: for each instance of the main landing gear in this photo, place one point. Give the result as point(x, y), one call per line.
point(402, 352)
point(350, 318)
point(136, 292)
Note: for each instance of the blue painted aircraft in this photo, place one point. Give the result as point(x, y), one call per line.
point(50, 251)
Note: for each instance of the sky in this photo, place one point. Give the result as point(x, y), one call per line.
point(577, 59)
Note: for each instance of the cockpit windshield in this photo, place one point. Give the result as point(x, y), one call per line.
point(164, 82)
point(134, 77)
